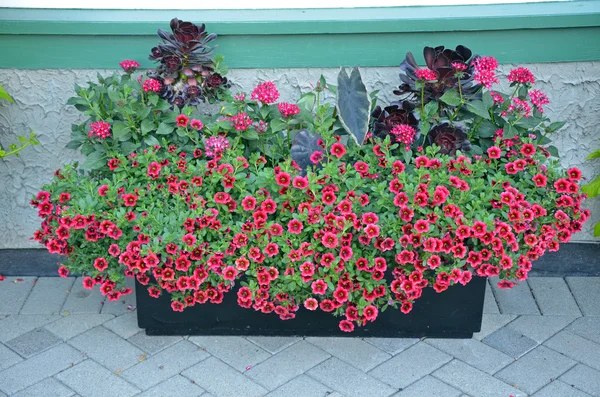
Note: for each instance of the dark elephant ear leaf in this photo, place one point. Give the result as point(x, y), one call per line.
point(353, 104)
point(305, 144)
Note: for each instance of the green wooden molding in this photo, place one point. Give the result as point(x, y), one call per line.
point(514, 33)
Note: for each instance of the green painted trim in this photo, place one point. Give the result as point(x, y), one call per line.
point(514, 33)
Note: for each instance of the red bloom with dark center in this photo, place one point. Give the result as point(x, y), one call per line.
point(494, 152)
point(330, 240)
point(295, 226)
point(319, 287)
point(346, 326)
point(283, 179)
point(311, 304)
point(574, 174)
point(370, 313)
point(182, 120)
point(338, 150)
point(129, 200)
point(101, 264)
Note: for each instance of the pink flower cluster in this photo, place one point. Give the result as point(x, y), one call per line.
point(288, 109)
point(404, 133)
point(265, 92)
point(241, 121)
point(521, 75)
point(215, 145)
point(129, 65)
point(100, 129)
point(152, 85)
point(485, 68)
point(459, 66)
point(426, 74)
point(520, 106)
point(539, 99)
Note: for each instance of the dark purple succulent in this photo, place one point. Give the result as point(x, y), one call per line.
point(185, 62)
point(445, 63)
point(449, 139)
point(384, 120)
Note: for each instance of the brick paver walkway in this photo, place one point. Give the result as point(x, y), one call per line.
point(57, 339)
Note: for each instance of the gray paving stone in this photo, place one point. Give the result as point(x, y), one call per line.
point(588, 327)
point(33, 342)
point(41, 366)
point(474, 353)
point(302, 386)
point(474, 382)
point(583, 378)
point(491, 323)
point(489, 304)
point(274, 344)
point(354, 351)
point(164, 365)
point(153, 344)
point(222, 380)
point(576, 347)
point(559, 389)
point(233, 350)
point(82, 300)
point(430, 387)
point(48, 295)
point(107, 348)
point(587, 293)
point(90, 379)
point(517, 300)
point(553, 296)
point(177, 386)
point(423, 360)
point(125, 325)
point(392, 345)
point(286, 365)
point(49, 387)
point(14, 326)
point(535, 369)
point(13, 293)
point(509, 341)
point(540, 328)
point(70, 326)
point(8, 358)
point(124, 305)
point(348, 380)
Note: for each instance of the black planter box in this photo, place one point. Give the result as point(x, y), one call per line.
point(455, 313)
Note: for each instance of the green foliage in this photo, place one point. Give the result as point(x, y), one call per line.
point(353, 104)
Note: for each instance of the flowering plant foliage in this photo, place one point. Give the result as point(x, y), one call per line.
point(127, 113)
point(347, 226)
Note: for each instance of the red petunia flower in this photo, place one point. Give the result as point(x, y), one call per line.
point(338, 150)
point(182, 120)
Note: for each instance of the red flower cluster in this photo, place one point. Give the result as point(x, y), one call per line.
point(288, 109)
point(323, 241)
point(426, 74)
point(485, 68)
point(521, 75)
point(265, 92)
point(129, 65)
point(100, 129)
point(151, 85)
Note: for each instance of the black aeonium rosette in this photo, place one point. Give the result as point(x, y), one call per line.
point(449, 138)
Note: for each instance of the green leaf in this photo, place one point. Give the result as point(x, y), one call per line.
point(523, 92)
point(150, 140)
point(476, 150)
point(4, 95)
point(119, 129)
point(250, 134)
point(509, 131)
point(592, 189)
point(553, 151)
point(431, 109)
point(307, 101)
point(94, 161)
point(487, 129)
point(165, 129)
point(162, 105)
point(478, 108)
point(113, 95)
point(597, 230)
point(451, 98)
point(74, 144)
point(528, 123)
point(147, 126)
point(127, 148)
point(277, 125)
point(487, 99)
point(557, 125)
point(594, 155)
point(424, 127)
point(353, 104)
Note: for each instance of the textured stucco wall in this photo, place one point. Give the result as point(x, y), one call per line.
point(40, 105)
